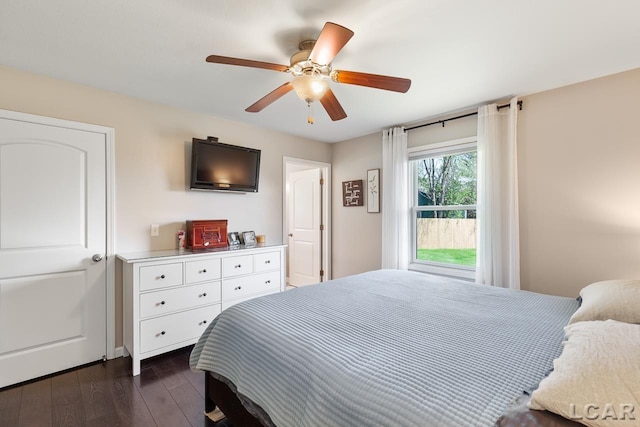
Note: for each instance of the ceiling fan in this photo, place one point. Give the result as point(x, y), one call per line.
point(311, 70)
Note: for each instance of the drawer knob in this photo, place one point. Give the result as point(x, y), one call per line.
point(267, 282)
point(237, 288)
point(267, 262)
point(204, 271)
point(238, 266)
point(162, 276)
point(203, 295)
point(162, 333)
point(204, 322)
point(162, 302)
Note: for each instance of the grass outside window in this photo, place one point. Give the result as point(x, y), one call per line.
point(465, 257)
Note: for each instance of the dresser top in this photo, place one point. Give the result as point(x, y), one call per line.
point(173, 253)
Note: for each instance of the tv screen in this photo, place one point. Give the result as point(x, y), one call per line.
point(224, 167)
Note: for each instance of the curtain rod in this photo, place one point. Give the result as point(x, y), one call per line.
point(475, 113)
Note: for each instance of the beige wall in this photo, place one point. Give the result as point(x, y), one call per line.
point(578, 160)
point(357, 235)
point(455, 129)
point(579, 168)
point(152, 144)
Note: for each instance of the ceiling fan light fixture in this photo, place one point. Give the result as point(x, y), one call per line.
point(311, 70)
point(310, 87)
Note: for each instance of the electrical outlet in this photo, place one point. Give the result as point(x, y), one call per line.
point(155, 230)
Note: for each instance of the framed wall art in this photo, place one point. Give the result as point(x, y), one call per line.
point(373, 190)
point(352, 193)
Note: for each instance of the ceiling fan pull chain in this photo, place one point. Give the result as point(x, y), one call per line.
point(309, 117)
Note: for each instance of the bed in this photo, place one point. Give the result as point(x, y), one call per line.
point(385, 347)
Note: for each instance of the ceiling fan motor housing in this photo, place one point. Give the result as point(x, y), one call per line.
point(305, 46)
point(301, 65)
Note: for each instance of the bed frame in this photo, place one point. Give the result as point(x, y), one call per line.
point(519, 414)
point(218, 393)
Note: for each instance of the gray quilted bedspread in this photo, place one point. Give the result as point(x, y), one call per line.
point(386, 348)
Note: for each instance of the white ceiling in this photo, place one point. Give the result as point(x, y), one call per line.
point(458, 53)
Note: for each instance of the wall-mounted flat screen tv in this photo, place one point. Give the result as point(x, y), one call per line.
point(223, 167)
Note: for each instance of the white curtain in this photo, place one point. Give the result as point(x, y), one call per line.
point(395, 204)
point(498, 252)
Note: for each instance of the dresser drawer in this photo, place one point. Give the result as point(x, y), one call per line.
point(267, 261)
point(237, 265)
point(202, 270)
point(161, 302)
point(246, 286)
point(160, 276)
point(175, 328)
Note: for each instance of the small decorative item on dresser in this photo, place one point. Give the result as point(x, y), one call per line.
point(261, 238)
point(206, 234)
point(352, 193)
point(249, 238)
point(182, 241)
point(233, 238)
point(373, 190)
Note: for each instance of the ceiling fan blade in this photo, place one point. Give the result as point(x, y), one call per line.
point(270, 98)
point(377, 81)
point(331, 40)
point(216, 59)
point(333, 107)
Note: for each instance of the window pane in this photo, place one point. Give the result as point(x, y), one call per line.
point(447, 236)
point(447, 180)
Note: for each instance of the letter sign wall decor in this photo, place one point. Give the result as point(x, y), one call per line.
point(352, 193)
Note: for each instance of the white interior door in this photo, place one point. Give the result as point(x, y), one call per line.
point(304, 227)
point(52, 223)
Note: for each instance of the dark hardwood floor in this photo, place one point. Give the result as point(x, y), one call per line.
point(166, 393)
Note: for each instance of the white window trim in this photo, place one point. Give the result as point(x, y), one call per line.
point(431, 150)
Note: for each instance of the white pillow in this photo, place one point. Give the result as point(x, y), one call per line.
point(611, 299)
point(596, 379)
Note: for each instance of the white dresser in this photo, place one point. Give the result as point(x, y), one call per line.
point(169, 297)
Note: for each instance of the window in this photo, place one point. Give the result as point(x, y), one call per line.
point(444, 193)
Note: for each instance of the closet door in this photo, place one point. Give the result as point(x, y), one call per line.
point(52, 246)
point(305, 235)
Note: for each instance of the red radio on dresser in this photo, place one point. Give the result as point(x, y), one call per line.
point(206, 234)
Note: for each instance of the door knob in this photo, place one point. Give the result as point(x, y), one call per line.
point(96, 258)
point(290, 234)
